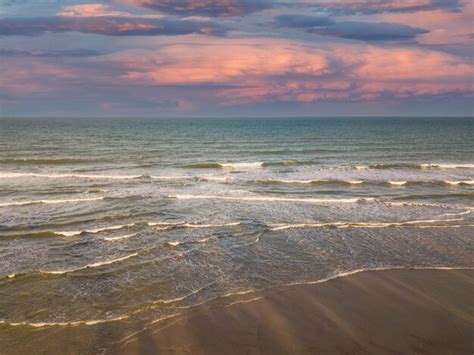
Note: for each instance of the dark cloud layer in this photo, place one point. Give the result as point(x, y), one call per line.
point(48, 53)
point(363, 31)
point(112, 26)
point(211, 8)
point(370, 31)
point(303, 21)
point(366, 7)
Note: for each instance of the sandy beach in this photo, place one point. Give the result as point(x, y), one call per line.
point(373, 312)
point(379, 312)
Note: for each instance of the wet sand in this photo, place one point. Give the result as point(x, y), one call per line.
point(374, 312)
point(378, 312)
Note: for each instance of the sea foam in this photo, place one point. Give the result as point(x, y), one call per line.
point(273, 199)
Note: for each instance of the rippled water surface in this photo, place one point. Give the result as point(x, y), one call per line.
point(139, 218)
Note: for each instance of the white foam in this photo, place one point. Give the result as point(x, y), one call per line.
point(91, 266)
point(92, 177)
point(462, 182)
point(412, 204)
point(449, 226)
point(458, 214)
point(272, 199)
point(61, 324)
point(446, 166)
point(63, 176)
point(172, 177)
point(388, 268)
point(175, 244)
point(114, 239)
point(255, 165)
point(397, 183)
point(168, 225)
point(49, 202)
point(165, 318)
point(244, 301)
point(215, 178)
point(154, 224)
point(278, 227)
point(193, 225)
point(314, 181)
point(94, 231)
point(205, 240)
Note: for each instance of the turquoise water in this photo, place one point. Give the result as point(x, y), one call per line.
point(138, 219)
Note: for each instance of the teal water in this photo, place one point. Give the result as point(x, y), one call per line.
point(137, 219)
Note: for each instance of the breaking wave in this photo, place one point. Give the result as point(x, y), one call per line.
point(414, 166)
point(278, 227)
point(85, 267)
point(94, 177)
point(273, 199)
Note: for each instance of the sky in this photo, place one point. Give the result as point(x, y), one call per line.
point(180, 58)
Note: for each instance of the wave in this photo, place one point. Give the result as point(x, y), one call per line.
point(85, 267)
point(46, 234)
point(243, 166)
point(94, 231)
point(114, 239)
point(446, 166)
point(168, 225)
point(459, 213)
point(337, 275)
point(364, 182)
point(48, 202)
point(215, 178)
point(65, 176)
point(52, 234)
point(246, 166)
point(397, 183)
point(439, 196)
point(456, 183)
point(289, 162)
point(309, 182)
point(414, 166)
point(46, 161)
point(174, 244)
point(95, 177)
point(279, 227)
point(193, 225)
point(61, 324)
point(273, 199)
point(316, 201)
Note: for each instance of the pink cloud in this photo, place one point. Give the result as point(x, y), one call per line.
point(91, 10)
point(230, 72)
point(263, 70)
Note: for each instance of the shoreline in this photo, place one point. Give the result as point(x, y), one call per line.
point(377, 311)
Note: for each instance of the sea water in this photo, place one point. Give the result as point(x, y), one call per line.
point(111, 219)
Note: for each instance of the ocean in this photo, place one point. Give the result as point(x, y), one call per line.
point(139, 219)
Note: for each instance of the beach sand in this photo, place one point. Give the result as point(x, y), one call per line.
point(376, 312)
point(409, 311)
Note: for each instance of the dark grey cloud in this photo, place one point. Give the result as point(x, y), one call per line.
point(364, 31)
point(211, 8)
point(368, 7)
point(111, 26)
point(302, 21)
point(47, 53)
point(370, 31)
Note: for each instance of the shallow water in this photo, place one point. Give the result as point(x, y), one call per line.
point(113, 219)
